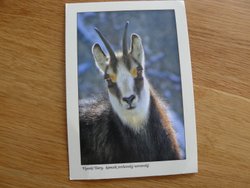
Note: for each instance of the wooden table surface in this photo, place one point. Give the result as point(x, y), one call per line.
point(33, 137)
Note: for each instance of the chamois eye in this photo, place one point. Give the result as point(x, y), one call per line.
point(139, 72)
point(109, 82)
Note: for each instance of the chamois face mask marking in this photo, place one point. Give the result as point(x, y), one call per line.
point(127, 86)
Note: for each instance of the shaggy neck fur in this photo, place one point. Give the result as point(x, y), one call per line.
point(138, 117)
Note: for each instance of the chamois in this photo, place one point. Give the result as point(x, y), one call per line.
point(130, 124)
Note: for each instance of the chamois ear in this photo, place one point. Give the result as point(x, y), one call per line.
point(137, 51)
point(100, 57)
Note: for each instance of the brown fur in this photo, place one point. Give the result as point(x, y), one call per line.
point(160, 105)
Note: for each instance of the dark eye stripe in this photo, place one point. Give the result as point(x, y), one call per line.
point(139, 82)
point(109, 82)
point(139, 72)
point(113, 88)
point(115, 91)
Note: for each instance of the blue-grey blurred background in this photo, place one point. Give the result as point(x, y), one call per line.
point(158, 32)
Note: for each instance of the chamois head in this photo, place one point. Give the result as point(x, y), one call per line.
point(124, 73)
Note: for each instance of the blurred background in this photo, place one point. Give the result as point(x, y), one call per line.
point(158, 32)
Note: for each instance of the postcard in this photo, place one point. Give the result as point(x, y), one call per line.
point(130, 102)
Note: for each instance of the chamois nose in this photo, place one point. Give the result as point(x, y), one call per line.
point(129, 100)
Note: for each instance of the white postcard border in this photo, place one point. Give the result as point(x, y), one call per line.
point(78, 171)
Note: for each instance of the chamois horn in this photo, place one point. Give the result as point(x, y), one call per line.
point(124, 42)
point(113, 58)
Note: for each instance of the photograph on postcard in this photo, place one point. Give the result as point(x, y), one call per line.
point(129, 84)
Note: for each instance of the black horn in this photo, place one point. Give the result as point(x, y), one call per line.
point(113, 59)
point(124, 42)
